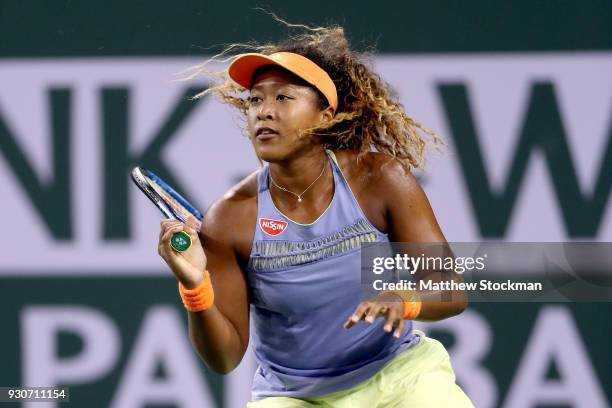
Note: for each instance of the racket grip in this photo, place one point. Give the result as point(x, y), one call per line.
point(180, 241)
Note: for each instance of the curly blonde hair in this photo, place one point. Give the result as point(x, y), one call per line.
point(369, 116)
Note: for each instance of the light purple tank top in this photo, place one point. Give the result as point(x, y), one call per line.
point(305, 281)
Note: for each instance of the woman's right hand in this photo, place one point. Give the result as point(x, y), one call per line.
point(187, 266)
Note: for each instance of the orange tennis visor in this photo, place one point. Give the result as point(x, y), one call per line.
point(243, 67)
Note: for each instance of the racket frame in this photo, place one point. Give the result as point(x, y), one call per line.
point(139, 176)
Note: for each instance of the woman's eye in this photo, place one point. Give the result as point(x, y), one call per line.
point(282, 97)
point(254, 99)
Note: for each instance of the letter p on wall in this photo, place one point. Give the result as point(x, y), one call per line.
point(40, 327)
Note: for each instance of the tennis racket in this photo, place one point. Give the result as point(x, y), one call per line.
point(169, 202)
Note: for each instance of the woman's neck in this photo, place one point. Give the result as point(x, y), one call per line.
point(299, 173)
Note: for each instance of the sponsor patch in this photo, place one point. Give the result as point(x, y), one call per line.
point(272, 227)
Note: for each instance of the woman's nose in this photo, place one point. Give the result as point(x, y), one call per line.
point(266, 110)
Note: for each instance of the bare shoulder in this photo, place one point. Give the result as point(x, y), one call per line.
point(231, 218)
point(378, 181)
point(391, 197)
point(377, 171)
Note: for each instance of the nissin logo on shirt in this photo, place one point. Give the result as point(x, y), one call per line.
point(272, 227)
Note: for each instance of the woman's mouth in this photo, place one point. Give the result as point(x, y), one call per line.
point(265, 133)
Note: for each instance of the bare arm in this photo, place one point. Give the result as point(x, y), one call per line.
point(412, 220)
point(219, 334)
point(395, 202)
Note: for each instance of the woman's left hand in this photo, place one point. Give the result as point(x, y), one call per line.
point(387, 305)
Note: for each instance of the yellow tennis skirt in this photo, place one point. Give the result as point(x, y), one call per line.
point(420, 376)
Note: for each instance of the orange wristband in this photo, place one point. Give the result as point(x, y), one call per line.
point(412, 309)
point(412, 303)
point(199, 298)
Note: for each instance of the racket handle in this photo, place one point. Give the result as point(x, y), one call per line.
point(180, 241)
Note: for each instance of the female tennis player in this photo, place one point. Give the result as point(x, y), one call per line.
point(282, 247)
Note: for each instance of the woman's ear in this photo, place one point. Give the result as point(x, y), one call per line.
point(327, 114)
